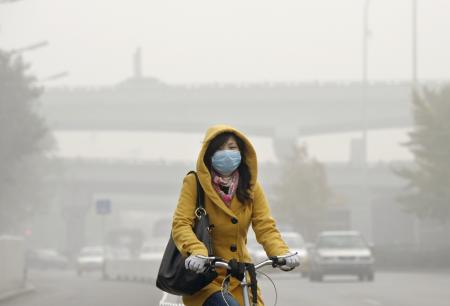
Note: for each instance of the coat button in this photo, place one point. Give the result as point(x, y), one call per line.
point(233, 248)
point(234, 220)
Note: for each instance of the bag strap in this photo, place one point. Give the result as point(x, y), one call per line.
point(200, 210)
point(253, 282)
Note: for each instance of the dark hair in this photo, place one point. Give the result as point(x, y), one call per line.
point(243, 189)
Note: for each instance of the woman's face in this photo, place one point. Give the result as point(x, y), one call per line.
point(230, 144)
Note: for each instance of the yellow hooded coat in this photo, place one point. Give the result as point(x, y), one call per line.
point(230, 223)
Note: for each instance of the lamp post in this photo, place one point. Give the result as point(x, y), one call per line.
point(364, 98)
point(365, 49)
point(366, 34)
point(414, 91)
point(414, 45)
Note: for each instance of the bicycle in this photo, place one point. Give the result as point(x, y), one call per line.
point(274, 261)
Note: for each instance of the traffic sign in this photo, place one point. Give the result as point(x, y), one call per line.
point(103, 206)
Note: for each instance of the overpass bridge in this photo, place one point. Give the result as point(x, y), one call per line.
point(275, 110)
point(143, 194)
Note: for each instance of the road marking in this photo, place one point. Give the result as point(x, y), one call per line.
point(372, 302)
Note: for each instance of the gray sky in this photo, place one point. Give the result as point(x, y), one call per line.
point(226, 41)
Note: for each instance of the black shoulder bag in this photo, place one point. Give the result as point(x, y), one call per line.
point(173, 277)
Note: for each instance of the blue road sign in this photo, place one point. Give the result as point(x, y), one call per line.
point(103, 206)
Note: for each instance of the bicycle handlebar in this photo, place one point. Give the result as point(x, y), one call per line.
point(274, 261)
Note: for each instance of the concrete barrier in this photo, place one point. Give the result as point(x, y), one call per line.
point(12, 264)
point(140, 270)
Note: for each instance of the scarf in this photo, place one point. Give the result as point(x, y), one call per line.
point(230, 182)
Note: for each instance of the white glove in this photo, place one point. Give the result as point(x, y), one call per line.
point(292, 261)
point(195, 263)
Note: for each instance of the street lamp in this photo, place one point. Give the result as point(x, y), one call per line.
point(7, 1)
point(366, 35)
point(364, 96)
point(31, 47)
point(56, 76)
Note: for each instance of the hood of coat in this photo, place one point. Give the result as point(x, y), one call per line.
point(203, 173)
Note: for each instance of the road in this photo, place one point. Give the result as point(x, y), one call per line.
point(65, 288)
point(57, 288)
point(388, 289)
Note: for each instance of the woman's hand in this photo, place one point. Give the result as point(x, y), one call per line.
point(195, 263)
point(292, 261)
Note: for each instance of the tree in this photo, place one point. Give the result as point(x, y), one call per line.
point(24, 139)
point(428, 191)
point(303, 193)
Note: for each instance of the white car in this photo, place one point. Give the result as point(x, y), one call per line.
point(90, 259)
point(341, 252)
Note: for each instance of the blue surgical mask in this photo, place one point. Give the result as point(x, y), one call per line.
point(226, 161)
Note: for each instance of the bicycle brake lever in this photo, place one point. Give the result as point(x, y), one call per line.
point(276, 261)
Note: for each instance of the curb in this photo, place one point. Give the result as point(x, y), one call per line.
point(14, 293)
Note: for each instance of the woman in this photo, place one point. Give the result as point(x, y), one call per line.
point(234, 199)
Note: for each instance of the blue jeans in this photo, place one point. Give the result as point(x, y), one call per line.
point(216, 299)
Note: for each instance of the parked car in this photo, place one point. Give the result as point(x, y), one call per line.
point(341, 252)
point(46, 259)
point(90, 259)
